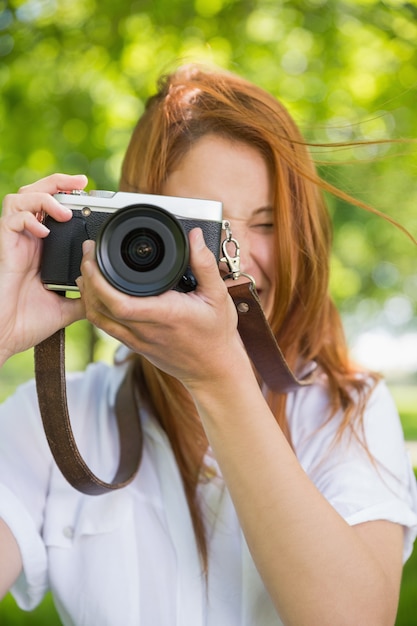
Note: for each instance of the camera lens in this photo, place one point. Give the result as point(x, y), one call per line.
point(142, 250)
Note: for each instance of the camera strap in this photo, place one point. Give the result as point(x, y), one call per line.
point(260, 344)
point(261, 347)
point(53, 406)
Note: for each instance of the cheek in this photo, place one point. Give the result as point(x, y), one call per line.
point(265, 258)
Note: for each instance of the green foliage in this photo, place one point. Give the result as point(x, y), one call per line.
point(405, 397)
point(75, 74)
point(44, 615)
point(407, 607)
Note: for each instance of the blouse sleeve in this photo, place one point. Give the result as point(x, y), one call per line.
point(25, 463)
point(366, 475)
point(27, 467)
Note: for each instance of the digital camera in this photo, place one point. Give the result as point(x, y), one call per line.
point(141, 240)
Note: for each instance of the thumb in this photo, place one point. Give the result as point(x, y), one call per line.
point(72, 310)
point(203, 262)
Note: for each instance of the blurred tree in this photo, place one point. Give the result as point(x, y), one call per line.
point(74, 76)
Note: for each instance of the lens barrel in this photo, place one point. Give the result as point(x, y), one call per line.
point(142, 250)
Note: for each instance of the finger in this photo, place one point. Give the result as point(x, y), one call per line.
point(102, 297)
point(72, 310)
point(55, 183)
point(94, 305)
point(25, 221)
point(204, 265)
point(100, 317)
point(35, 203)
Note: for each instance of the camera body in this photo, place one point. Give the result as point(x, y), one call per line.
point(141, 240)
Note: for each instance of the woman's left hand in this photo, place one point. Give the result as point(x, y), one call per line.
point(295, 536)
point(191, 336)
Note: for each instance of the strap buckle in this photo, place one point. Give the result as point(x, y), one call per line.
point(232, 262)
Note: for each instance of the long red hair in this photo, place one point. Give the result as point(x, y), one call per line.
point(189, 104)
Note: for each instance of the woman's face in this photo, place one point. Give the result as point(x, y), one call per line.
point(235, 174)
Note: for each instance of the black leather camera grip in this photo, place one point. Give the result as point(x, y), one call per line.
point(259, 342)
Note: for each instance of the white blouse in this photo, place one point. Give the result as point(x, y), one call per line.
point(130, 557)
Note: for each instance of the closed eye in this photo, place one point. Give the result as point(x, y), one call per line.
point(267, 226)
point(263, 219)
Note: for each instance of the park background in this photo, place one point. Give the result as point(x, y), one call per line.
point(74, 77)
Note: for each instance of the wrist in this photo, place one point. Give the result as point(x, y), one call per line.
point(232, 376)
point(4, 356)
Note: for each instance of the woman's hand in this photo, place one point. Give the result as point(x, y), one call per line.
point(191, 336)
point(29, 312)
point(296, 538)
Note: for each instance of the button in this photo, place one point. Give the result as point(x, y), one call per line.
point(68, 532)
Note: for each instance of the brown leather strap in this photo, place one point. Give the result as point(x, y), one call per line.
point(52, 397)
point(259, 342)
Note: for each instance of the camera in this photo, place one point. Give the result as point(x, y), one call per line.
point(141, 240)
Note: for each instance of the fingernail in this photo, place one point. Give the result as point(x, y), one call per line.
point(45, 229)
point(88, 246)
point(66, 209)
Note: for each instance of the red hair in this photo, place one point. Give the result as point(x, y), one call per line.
point(189, 104)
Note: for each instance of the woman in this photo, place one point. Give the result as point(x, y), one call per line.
point(249, 507)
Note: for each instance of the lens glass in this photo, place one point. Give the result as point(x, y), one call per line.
point(142, 249)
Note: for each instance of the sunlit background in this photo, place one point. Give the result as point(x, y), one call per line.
point(74, 76)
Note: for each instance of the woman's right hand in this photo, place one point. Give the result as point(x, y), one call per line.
point(30, 313)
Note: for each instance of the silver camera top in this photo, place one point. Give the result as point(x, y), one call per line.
point(98, 193)
point(108, 201)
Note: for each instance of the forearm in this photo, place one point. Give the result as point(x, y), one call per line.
point(11, 561)
point(314, 565)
